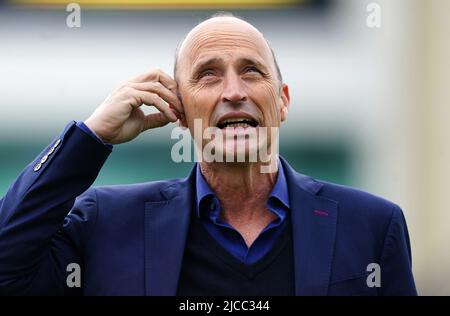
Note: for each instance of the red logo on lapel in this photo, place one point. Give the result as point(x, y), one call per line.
point(320, 213)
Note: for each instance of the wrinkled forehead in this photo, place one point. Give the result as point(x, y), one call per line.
point(226, 35)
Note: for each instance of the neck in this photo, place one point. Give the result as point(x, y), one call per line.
point(241, 189)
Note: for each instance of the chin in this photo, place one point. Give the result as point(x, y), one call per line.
point(239, 153)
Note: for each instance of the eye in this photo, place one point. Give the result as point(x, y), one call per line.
point(251, 69)
point(206, 73)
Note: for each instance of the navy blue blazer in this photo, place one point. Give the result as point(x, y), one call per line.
point(129, 239)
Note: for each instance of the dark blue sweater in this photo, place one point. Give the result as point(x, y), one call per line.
point(208, 269)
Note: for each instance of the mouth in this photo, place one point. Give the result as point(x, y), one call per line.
point(242, 122)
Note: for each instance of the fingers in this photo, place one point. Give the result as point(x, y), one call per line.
point(152, 99)
point(158, 88)
point(157, 75)
point(157, 81)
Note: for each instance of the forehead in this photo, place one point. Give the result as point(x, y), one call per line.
point(223, 36)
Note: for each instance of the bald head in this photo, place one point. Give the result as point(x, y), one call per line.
point(207, 32)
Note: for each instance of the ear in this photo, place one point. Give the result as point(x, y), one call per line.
point(285, 102)
point(182, 121)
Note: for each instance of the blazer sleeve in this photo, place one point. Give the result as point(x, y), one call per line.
point(396, 268)
point(47, 214)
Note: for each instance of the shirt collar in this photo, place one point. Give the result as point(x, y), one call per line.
point(279, 191)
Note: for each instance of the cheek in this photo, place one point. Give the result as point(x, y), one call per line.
point(198, 104)
point(266, 97)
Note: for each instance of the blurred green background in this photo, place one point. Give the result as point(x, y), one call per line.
point(134, 162)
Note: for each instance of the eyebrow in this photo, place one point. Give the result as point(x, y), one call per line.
point(253, 62)
point(205, 63)
point(201, 65)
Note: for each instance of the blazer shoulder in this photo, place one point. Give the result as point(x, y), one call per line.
point(352, 203)
point(152, 190)
point(357, 201)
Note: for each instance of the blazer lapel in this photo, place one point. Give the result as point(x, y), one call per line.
point(313, 230)
point(166, 228)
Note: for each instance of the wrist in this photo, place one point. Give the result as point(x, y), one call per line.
point(95, 130)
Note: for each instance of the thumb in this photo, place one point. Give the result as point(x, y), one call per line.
point(155, 120)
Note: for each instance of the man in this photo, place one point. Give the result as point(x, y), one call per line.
point(228, 228)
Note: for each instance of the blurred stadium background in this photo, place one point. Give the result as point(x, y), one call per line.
point(370, 107)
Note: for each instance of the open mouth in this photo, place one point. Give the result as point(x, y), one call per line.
point(237, 122)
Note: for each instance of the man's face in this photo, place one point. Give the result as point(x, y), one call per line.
point(227, 78)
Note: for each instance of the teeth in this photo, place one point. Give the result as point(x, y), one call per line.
point(236, 122)
point(233, 120)
point(234, 125)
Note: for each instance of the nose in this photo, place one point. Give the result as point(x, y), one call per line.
point(233, 90)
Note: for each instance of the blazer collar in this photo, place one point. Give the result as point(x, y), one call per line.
point(313, 220)
point(166, 228)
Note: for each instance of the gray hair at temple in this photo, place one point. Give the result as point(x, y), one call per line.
point(228, 14)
